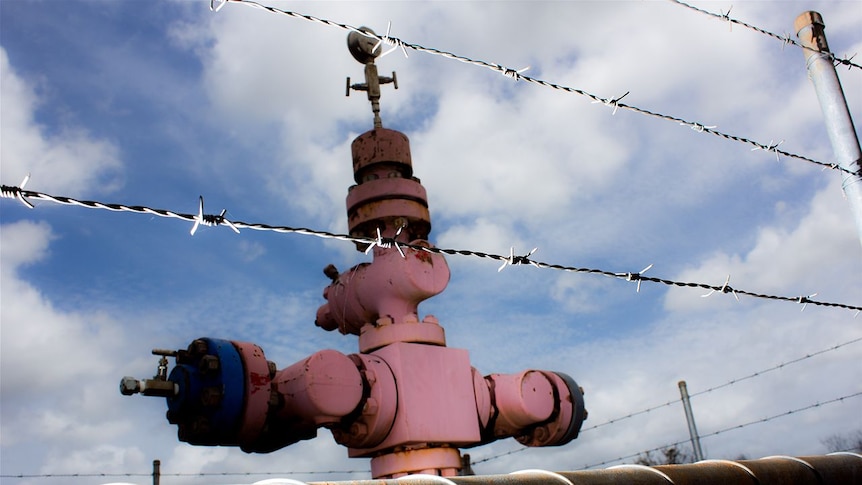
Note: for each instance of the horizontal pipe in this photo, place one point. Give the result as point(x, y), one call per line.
point(833, 469)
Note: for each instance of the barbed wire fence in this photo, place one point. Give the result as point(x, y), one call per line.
point(785, 39)
point(731, 382)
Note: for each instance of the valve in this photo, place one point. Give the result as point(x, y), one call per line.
point(401, 396)
point(406, 400)
point(159, 385)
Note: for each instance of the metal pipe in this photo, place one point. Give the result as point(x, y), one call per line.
point(833, 469)
point(157, 471)
point(689, 417)
point(821, 70)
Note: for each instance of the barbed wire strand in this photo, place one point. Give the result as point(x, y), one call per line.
point(205, 474)
point(22, 195)
point(727, 384)
point(705, 391)
point(178, 474)
point(732, 428)
point(785, 39)
point(518, 75)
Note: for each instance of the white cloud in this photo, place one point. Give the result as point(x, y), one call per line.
point(251, 250)
point(62, 159)
point(31, 322)
point(799, 257)
point(98, 459)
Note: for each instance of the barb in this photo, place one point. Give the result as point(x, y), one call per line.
point(511, 260)
point(386, 39)
point(612, 102)
point(516, 75)
point(386, 242)
point(805, 300)
point(17, 192)
point(726, 18)
point(725, 288)
point(634, 276)
point(698, 127)
point(772, 147)
point(506, 71)
point(210, 220)
point(785, 39)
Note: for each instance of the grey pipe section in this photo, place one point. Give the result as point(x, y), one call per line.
point(821, 70)
point(689, 417)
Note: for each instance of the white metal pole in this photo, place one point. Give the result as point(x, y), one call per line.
point(821, 70)
point(689, 417)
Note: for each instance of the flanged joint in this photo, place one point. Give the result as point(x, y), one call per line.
point(387, 196)
point(210, 383)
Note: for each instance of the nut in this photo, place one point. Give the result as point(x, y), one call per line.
point(198, 347)
point(541, 434)
point(358, 430)
point(370, 407)
point(129, 386)
point(370, 377)
point(211, 396)
point(208, 363)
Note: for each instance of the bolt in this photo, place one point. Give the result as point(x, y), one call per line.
point(586, 414)
point(183, 432)
point(272, 369)
point(194, 430)
point(384, 321)
point(541, 434)
point(198, 347)
point(129, 386)
point(358, 430)
point(211, 396)
point(331, 272)
point(431, 319)
point(208, 363)
point(276, 400)
point(370, 377)
point(581, 390)
point(370, 407)
point(200, 425)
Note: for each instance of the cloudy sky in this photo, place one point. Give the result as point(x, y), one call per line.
point(156, 103)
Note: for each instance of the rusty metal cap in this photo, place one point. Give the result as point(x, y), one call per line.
point(808, 18)
point(381, 146)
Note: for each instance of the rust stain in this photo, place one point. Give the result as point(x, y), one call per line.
point(257, 381)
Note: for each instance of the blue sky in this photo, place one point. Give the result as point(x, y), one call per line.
point(158, 103)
